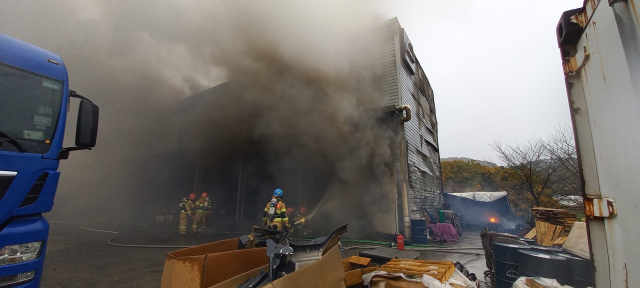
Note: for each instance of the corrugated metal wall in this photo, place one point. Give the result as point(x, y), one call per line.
point(395, 85)
point(385, 76)
point(421, 136)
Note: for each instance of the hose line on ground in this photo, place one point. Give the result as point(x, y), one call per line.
point(415, 247)
point(110, 241)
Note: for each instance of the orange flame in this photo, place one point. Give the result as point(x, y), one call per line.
point(493, 220)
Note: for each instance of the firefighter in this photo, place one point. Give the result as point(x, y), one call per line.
point(300, 222)
point(202, 206)
point(275, 217)
point(185, 212)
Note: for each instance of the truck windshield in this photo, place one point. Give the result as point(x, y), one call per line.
point(29, 108)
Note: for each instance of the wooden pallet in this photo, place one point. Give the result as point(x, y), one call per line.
point(440, 270)
point(551, 224)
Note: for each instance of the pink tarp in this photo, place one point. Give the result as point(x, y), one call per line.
point(444, 231)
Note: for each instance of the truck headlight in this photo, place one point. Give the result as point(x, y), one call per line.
point(18, 253)
point(16, 279)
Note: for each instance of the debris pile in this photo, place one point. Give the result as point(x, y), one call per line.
point(512, 261)
point(552, 226)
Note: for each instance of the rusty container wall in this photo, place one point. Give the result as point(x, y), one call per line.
point(599, 46)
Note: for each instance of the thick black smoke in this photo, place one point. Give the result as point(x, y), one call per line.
point(300, 77)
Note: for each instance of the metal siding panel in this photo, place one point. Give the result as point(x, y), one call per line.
point(385, 81)
point(424, 172)
point(608, 112)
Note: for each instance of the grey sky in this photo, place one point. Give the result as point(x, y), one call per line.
point(494, 66)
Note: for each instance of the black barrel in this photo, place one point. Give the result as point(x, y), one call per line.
point(528, 241)
point(580, 271)
point(505, 258)
point(419, 232)
point(532, 263)
point(545, 249)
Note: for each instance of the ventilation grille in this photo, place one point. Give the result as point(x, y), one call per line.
point(34, 193)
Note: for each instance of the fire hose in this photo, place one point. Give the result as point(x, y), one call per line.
point(426, 248)
point(119, 234)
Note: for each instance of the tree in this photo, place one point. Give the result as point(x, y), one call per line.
point(465, 176)
point(528, 171)
point(561, 148)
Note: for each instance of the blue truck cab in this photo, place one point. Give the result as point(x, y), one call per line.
point(34, 101)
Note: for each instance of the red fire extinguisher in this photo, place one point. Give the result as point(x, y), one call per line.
point(400, 241)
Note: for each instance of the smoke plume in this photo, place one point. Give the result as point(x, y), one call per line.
point(296, 112)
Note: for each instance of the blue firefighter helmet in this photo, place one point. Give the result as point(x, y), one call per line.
point(278, 192)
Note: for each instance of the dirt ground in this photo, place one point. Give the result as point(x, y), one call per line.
point(78, 257)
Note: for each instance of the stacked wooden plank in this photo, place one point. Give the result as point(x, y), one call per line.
point(533, 283)
point(552, 225)
point(440, 270)
point(558, 217)
point(531, 234)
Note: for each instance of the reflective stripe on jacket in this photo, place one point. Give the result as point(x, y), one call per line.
point(281, 212)
point(185, 206)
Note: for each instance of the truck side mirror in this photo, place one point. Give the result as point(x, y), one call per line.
point(87, 125)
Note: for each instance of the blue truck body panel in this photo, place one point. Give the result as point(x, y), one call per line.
point(25, 224)
point(22, 230)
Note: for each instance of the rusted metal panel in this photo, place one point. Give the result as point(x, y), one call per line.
point(597, 207)
point(604, 106)
point(584, 16)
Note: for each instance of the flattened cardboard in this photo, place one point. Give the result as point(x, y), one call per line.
point(213, 247)
point(353, 278)
point(355, 262)
point(325, 272)
point(240, 279)
point(225, 265)
point(208, 264)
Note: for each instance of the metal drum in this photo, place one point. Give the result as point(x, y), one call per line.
point(528, 241)
point(505, 258)
point(533, 263)
point(545, 249)
point(580, 271)
point(419, 232)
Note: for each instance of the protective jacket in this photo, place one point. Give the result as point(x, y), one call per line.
point(185, 205)
point(279, 218)
point(204, 205)
point(185, 212)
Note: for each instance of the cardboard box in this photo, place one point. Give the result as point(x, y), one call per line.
point(353, 278)
point(355, 262)
point(325, 272)
point(240, 279)
point(209, 264)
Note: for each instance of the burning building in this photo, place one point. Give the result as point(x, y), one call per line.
point(357, 147)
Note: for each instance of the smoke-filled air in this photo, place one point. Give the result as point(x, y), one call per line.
point(293, 112)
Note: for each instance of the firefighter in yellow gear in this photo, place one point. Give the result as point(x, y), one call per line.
point(300, 222)
point(275, 213)
point(185, 212)
point(202, 207)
